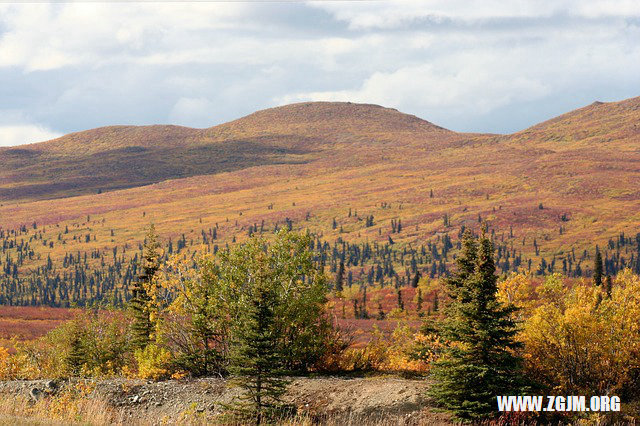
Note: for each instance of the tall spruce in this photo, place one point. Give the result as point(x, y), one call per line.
point(608, 286)
point(479, 363)
point(142, 326)
point(340, 278)
point(597, 269)
point(256, 358)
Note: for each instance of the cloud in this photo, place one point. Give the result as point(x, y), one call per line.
point(192, 111)
point(14, 135)
point(465, 64)
point(471, 90)
point(387, 15)
point(98, 33)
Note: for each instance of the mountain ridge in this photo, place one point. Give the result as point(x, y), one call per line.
point(323, 133)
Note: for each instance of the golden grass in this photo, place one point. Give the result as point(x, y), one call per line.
point(94, 411)
point(20, 410)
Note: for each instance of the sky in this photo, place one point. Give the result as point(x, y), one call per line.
point(467, 65)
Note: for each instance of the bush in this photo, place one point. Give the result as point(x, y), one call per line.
point(582, 342)
point(153, 362)
point(93, 344)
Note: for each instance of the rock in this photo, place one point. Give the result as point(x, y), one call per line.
point(50, 386)
point(36, 394)
point(135, 399)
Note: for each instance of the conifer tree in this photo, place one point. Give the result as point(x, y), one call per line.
point(400, 301)
point(597, 269)
point(416, 279)
point(363, 307)
point(479, 364)
point(256, 358)
point(608, 285)
point(381, 314)
point(340, 278)
point(142, 326)
point(76, 358)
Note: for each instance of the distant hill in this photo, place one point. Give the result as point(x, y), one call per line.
point(350, 174)
point(119, 157)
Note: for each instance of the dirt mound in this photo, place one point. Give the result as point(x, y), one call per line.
point(327, 400)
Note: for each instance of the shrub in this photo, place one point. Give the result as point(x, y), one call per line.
point(92, 344)
point(582, 342)
point(154, 362)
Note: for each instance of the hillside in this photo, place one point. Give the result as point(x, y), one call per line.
point(346, 172)
point(119, 157)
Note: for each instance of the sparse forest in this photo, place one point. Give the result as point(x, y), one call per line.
point(265, 310)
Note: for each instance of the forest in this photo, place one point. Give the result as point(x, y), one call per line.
point(274, 307)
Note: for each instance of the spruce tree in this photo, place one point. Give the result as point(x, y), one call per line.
point(400, 301)
point(256, 358)
point(416, 279)
point(381, 314)
point(608, 285)
point(340, 278)
point(597, 269)
point(76, 358)
point(142, 326)
point(479, 364)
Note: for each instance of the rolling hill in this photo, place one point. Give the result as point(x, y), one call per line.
point(349, 173)
point(119, 157)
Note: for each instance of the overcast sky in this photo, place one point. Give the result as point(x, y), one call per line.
point(487, 66)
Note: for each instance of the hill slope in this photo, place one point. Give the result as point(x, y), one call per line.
point(348, 173)
point(118, 157)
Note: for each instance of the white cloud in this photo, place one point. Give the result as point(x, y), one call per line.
point(426, 87)
point(49, 36)
point(457, 62)
point(191, 111)
point(20, 134)
point(399, 13)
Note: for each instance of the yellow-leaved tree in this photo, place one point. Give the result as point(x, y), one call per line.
point(580, 341)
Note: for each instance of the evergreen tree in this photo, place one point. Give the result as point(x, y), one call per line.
point(256, 359)
point(381, 314)
point(76, 358)
point(597, 269)
point(608, 285)
point(416, 279)
point(400, 301)
point(340, 278)
point(363, 310)
point(479, 363)
point(142, 326)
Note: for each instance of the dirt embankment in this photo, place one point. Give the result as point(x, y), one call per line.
point(326, 400)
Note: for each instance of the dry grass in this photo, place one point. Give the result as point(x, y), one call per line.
point(96, 412)
point(20, 410)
